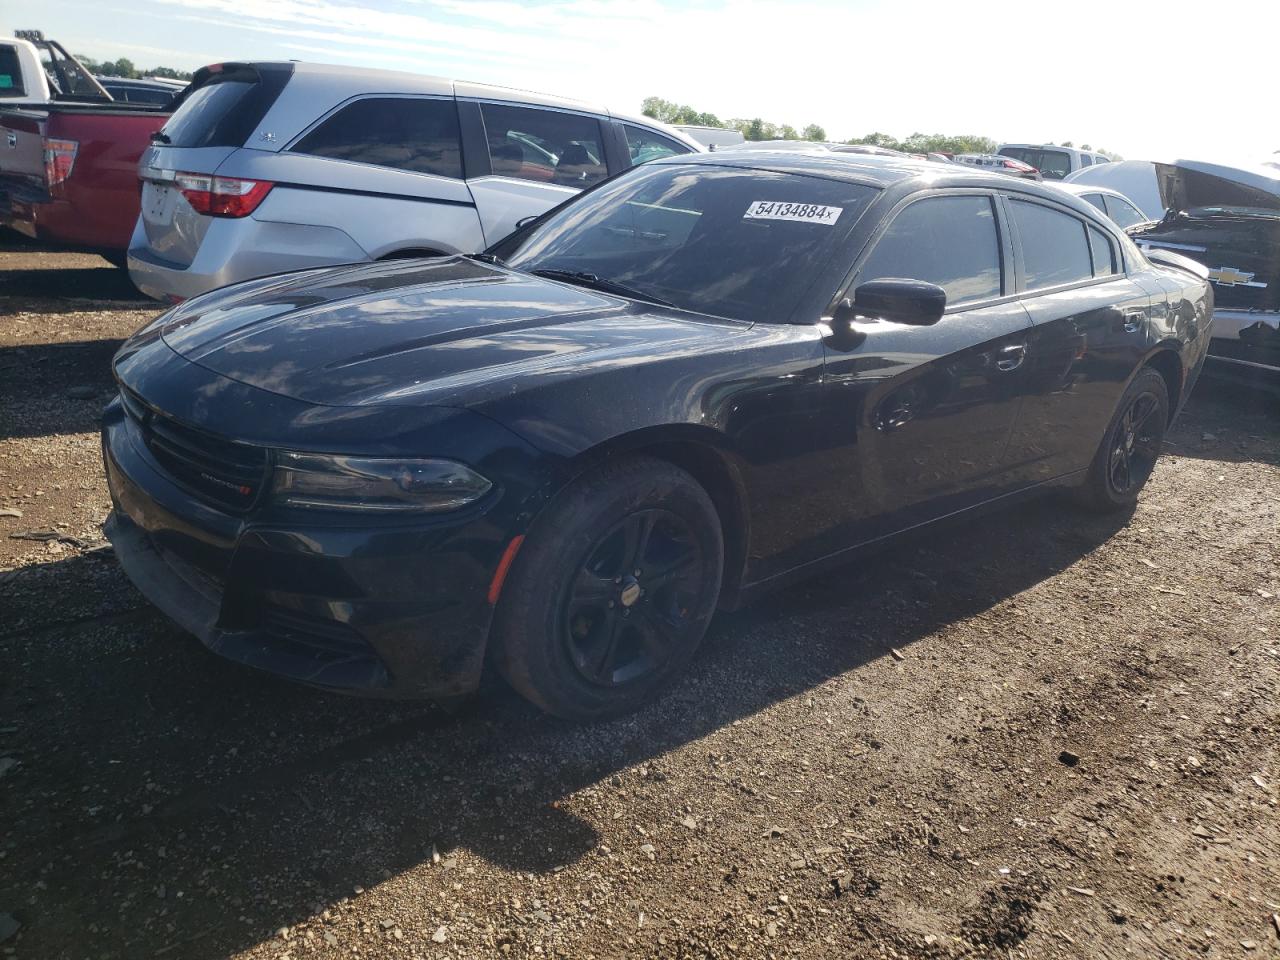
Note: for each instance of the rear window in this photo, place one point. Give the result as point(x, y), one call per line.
point(1054, 164)
point(222, 107)
point(140, 94)
point(10, 73)
point(1096, 200)
point(1124, 213)
point(407, 133)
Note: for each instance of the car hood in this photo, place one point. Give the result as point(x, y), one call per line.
point(441, 332)
point(1197, 184)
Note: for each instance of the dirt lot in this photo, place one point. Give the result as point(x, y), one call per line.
point(1037, 735)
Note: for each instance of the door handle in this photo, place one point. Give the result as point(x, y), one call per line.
point(1133, 320)
point(1010, 358)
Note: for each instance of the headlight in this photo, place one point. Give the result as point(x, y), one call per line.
point(373, 483)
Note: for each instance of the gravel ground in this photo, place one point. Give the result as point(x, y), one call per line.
point(1041, 734)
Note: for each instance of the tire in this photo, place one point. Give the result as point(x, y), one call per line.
point(1130, 447)
point(577, 631)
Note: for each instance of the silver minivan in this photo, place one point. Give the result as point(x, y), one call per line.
point(270, 167)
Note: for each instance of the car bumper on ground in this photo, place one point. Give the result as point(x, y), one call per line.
point(232, 250)
point(395, 612)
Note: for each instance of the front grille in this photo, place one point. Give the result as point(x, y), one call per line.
point(222, 471)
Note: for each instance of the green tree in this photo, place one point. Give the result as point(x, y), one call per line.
point(877, 140)
point(125, 68)
point(658, 109)
point(813, 132)
point(787, 132)
point(119, 68)
point(168, 72)
point(670, 112)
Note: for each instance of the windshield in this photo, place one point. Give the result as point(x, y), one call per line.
point(737, 243)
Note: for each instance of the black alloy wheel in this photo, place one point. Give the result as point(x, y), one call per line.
point(1135, 444)
point(626, 613)
point(1131, 446)
point(612, 591)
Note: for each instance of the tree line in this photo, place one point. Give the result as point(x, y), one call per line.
point(757, 129)
point(753, 129)
point(124, 68)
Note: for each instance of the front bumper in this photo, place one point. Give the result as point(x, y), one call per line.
point(1246, 347)
point(380, 611)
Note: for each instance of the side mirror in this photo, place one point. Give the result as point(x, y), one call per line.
point(900, 301)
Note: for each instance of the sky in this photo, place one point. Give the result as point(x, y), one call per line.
point(1143, 79)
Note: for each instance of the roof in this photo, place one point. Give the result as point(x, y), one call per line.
point(1080, 189)
point(875, 169)
point(370, 80)
point(1134, 179)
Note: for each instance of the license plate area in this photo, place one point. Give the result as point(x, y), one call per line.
point(158, 201)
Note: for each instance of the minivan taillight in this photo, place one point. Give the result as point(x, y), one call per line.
point(222, 196)
point(59, 158)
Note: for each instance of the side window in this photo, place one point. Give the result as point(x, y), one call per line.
point(1096, 200)
point(1104, 255)
point(544, 145)
point(407, 133)
point(1086, 160)
point(645, 145)
point(10, 72)
point(1123, 212)
point(950, 241)
point(1055, 248)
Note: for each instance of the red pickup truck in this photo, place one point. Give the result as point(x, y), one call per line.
point(68, 152)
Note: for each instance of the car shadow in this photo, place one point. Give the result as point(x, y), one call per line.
point(1227, 421)
point(55, 388)
point(164, 795)
point(56, 289)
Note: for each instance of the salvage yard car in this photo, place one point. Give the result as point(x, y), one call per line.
point(68, 164)
point(270, 167)
point(698, 380)
point(1006, 165)
point(1052, 161)
point(1111, 202)
point(1228, 219)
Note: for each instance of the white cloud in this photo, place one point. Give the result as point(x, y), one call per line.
point(1141, 80)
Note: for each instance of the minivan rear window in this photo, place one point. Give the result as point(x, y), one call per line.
point(224, 104)
point(1053, 164)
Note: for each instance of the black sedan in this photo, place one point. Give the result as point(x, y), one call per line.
point(698, 380)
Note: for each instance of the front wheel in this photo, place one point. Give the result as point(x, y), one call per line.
point(612, 591)
point(1132, 444)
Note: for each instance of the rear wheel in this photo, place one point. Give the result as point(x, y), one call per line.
point(612, 591)
point(1130, 447)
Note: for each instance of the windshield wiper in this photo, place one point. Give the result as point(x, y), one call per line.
point(582, 278)
point(158, 137)
point(484, 258)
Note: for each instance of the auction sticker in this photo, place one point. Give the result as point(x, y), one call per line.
point(800, 212)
